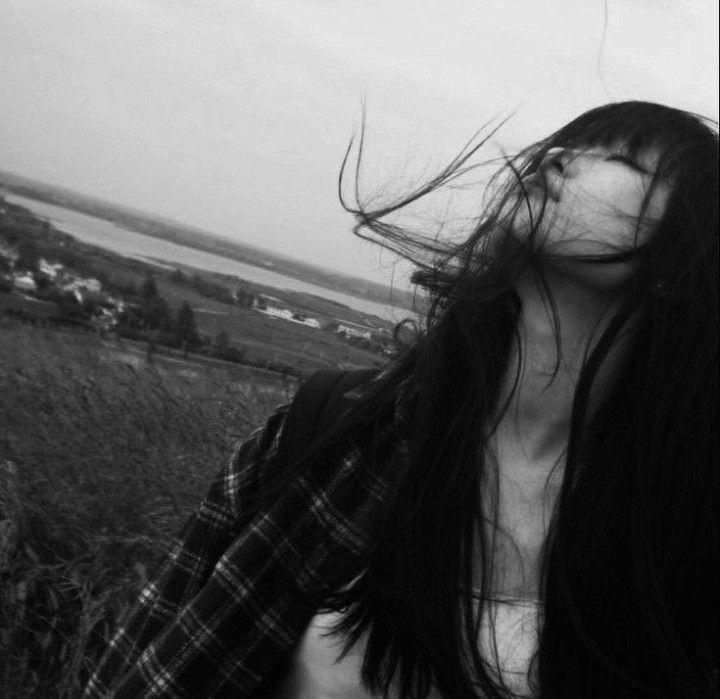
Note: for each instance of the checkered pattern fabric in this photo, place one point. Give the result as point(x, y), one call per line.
point(225, 610)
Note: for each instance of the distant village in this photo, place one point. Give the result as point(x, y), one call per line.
point(55, 281)
point(86, 302)
point(345, 328)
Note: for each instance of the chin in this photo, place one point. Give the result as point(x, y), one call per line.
point(520, 226)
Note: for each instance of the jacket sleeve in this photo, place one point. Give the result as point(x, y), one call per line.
point(201, 543)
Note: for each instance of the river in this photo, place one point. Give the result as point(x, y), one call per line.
point(107, 235)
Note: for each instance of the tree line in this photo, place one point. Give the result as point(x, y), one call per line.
point(219, 292)
point(151, 318)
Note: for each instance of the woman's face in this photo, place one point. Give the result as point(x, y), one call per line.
point(595, 198)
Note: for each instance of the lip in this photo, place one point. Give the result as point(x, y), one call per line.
point(537, 181)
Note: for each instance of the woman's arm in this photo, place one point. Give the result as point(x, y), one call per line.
point(170, 628)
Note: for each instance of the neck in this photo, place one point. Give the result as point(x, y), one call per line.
point(526, 451)
point(550, 355)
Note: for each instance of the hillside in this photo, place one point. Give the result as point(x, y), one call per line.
point(101, 461)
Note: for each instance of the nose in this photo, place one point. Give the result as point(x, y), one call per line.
point(556, 159)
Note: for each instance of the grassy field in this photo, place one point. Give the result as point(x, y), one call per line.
point(102, 457)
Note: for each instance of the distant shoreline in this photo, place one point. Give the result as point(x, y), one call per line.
point(165, 254)
point(191, 237)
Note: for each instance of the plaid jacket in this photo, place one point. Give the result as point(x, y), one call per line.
point(224, 612)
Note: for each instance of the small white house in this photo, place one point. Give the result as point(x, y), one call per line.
point(49, 269)
point(276, 312)
point(24, 282)
point(353, 331)
point(91, 285)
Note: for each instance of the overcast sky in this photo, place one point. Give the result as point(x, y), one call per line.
point(234, 115)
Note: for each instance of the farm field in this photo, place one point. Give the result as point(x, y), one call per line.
point(261, 336)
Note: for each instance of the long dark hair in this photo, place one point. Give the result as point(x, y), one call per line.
point(630, 564)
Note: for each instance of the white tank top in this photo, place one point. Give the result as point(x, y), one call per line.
point(316, 674)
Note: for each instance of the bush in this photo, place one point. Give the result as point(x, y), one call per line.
point(213, 290)
point(28, 254)
point(71, 308)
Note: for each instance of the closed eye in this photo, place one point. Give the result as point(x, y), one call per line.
point(619, 157)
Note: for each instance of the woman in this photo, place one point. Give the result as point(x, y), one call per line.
point(525, 502)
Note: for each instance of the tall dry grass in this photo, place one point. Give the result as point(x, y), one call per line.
point(100, 463)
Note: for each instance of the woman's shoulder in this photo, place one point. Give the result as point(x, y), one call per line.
point(243, 475)
point(312, 425)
